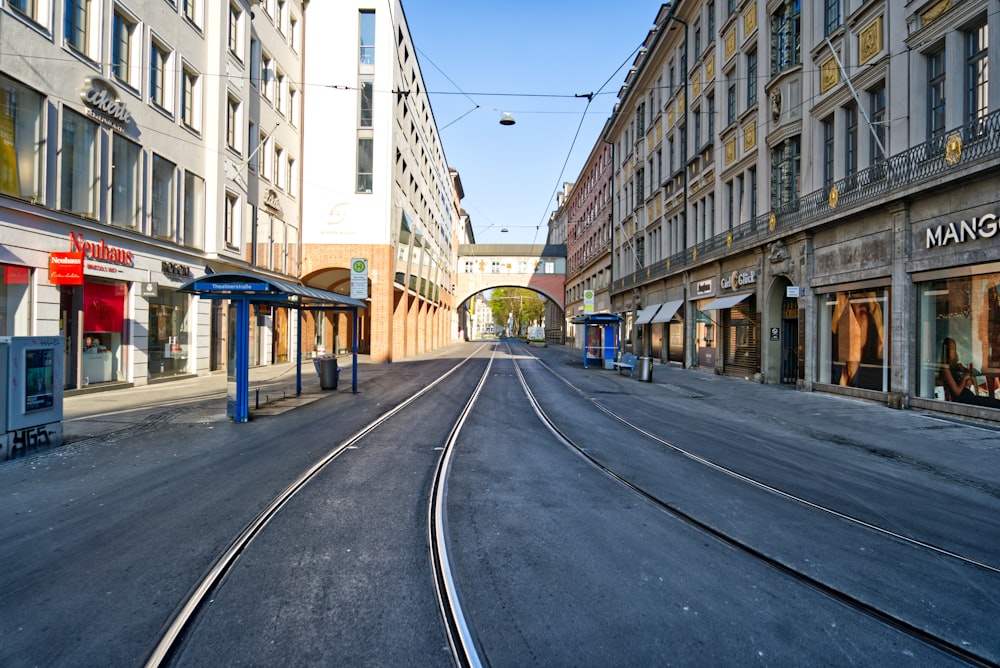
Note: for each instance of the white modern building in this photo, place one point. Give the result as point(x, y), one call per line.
point(379, 189)
point(143, 143)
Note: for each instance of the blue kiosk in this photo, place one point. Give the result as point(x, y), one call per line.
point(601, 332)
point(242, 290)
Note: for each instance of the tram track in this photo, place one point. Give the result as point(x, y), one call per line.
point(955, 649)
point(457, 630)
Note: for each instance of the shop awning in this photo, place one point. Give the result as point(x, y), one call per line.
point(725, 302)
point(667, 311)
point(645, 316)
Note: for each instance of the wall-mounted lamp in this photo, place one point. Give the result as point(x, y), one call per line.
point(506, 120)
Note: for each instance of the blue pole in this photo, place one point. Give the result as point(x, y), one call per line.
point(242, 360)
point(298, 352)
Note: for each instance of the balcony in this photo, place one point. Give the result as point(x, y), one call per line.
point(975, 144)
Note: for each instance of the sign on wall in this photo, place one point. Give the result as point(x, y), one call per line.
point(66, 268)
point(359, 278)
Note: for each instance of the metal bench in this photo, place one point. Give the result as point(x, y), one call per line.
point(628, 361)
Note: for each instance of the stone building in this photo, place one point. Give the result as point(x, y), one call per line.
point(155, 142)
point(812, 185)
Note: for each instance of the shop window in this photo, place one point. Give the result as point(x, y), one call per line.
point(853, 339)
point(80, 173)
point(169, 348)
point(103, 331)
point(21, 142)
point(15, 300)
point(959, 340)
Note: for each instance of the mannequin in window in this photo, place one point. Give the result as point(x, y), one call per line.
point(959, 381)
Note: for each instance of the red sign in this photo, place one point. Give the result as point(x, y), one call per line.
point(66, 268)
point(13, 275)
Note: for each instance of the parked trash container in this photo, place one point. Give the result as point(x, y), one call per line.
point(646, 369)
point(329, 372)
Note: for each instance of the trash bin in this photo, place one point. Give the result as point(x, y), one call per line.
point(329, 372)
point(646, 369)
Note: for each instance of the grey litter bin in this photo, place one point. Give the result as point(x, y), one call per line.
point(646, 369)
point(329, 373)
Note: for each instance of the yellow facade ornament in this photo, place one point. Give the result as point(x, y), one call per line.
point(749, 20)
point(870, 41)
point(694, 254)
point(953, 149)
point(834, 197)
point(829, 74)
point(730, 43)
point(731, 150)
point(934, 12)
point(772, 222)
point(729, 239)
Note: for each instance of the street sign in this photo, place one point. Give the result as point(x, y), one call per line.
point(359, 278)
point(588, 301)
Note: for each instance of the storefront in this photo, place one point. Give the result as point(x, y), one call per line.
point(93, 322)
point(15, 300)
point(853, 337)
point(169, 345)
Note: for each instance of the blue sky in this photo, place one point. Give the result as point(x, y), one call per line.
point(529, 59)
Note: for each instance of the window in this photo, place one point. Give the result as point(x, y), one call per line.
point(280, 85)
point(194, 210)
point(236, 32)
point(162, 207)
point(124, 62)
point(233, 132)
point(831, 16)
point(697, 40)
point(190, 99)
point(878, 120)
point(232, 221)
point(731, 105)
point(126, 204)
point(851, 144)
point(828, 152)
point(266, 76)
point(76, 20)
point(190, 8)
point(21, 114)
point(80, 165)
point(936, 93)
point(751, 79)
point(366, 98)
point(365, 165)
point(28, 8)
point(785, 36)
point(263, 150)
point(159, 81)
point(854, 336)
point(293, 32)
point(977, 73)
point(293, 105)
point(785, 172)
point(710, 103)
point(279, 164)
point(710, 10)
point(255, 57)
point(253, 139)
point(292, 179)
point(366, 38)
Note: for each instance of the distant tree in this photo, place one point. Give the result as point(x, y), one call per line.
point(526, 306)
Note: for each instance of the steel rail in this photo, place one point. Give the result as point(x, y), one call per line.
point(185, 612)
point(941, 644)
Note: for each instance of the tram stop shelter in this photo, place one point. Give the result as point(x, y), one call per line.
point(242, 290)
point(601, 334)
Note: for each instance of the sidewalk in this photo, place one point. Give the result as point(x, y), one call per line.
point(195, 399)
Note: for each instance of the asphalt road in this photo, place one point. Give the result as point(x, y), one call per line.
point(559, 564)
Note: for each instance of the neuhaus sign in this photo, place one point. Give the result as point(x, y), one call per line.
point(100, 251)
point(984, 227)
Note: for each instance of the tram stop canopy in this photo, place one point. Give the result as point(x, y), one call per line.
point(601, 331)
point(242, 290)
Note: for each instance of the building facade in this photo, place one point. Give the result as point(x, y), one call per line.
point(810, 185)
point(379, 188)
point(143, 144)
point(588, 242)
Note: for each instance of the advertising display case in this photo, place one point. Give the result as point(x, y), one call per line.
point(31, 395)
